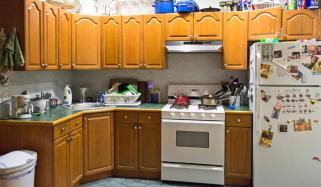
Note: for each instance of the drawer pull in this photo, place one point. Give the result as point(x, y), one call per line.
point(227, 131)
point(135, 128)
point(149, 117)
point(139, 127)
point(62, 130)
point(126, 117)
point(238, 120)
point(77, 123)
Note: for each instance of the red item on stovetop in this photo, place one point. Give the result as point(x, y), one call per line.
point(182, 100)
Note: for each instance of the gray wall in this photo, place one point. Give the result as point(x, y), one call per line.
point(182, 68)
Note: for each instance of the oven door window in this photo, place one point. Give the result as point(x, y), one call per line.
point(192, 139)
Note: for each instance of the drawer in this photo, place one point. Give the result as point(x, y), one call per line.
point(61, 130)
point(149, 117)
point(239, 120)
point(126, 117)
point(75, 123)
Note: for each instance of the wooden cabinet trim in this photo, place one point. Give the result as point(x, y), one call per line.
point(64, 40)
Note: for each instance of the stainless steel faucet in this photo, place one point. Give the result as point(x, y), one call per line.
point(83, 93)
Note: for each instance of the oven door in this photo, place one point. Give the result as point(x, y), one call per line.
point(195, 142)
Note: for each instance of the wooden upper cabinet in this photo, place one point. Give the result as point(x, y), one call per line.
point(98, 143)
point(238, 159)
point(76, 156)
point(111, 41)
point(64, 40)
point(208, 25)
point(154, 41)
point(235, 29)
point(300, 24)
point(50, 32)
point(61, 162)
point(33, 34)
point(179, 27)
point(265, 23)
point(132, 42)
point(85, 42)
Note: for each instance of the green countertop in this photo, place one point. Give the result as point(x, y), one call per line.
point(61, 113)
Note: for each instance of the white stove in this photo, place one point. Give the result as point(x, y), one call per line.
point(193, 137)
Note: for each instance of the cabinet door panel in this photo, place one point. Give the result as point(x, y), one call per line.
point(238, 159)
point(300, 24)
point(265, 23)
point(126, 147)
point(98, 143)
point(132, 45)
point(154, 42)
point(179, 27)
point(149, 147)
point(51, 21)
point(85, 42)
point(235, 40)
point(64, 40)
point(33, 35)
point(208, 26)
point(111, 41)
point(76, 157)
point(61, 162)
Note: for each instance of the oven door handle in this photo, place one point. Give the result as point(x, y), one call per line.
point(192, 122)
point(191, 166)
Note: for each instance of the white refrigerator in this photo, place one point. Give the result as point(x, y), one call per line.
point(285, 97)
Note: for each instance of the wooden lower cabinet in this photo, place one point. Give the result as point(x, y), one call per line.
point(98, 143)
point(238, 150)
point(68, 158)
point(137, 145)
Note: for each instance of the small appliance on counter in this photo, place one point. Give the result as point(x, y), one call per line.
point(21, 107)
point(39, 105)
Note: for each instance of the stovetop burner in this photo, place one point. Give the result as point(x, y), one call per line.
point(179, 107)
point(207, 107)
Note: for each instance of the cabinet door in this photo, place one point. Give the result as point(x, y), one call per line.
point(238, 156)
point(265, 23)
point(76, 156)
point(61, 162)
point(126, 147)
point(300, 24)
point(132, 41)
point(149, 147)
point(111, 41)
point(235, 40)
point(33, 35)
point(51, 24)
point(208, 25)
point(154, 42)
point(85, 42)
point(179, 27)
point(98, 143)
point(64, 40)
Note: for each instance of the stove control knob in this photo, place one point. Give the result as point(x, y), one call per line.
point(172, 114)
point(182, 114)
point(203, 115)
point(213, 115)
point(193, 114)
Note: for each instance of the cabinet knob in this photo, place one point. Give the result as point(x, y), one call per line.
point(69, 139)
point(126, 117)
point(238, 120)
point(227, 131)
point(43, 65)
point(62, 130)
point(119, 65)
point(46, 65)
point(139, 127)
point(73, 65)
point(141, 65)
point(61, 65)
point(149, 117)
point(135, 128)
point(77, 123)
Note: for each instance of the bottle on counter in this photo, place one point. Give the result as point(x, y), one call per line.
point(101, 97)
point(67, 96)
point(155, 95)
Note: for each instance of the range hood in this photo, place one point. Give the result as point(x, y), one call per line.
point(194, 47)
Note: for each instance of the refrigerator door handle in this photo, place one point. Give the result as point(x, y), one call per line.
point(257, 109)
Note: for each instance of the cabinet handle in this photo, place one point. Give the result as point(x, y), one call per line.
point(149, 117)
point(238, 120)
point(141, 66)
point(61, 65)
point(69, 139)
point(46, 65)
point(126, 117)
point(139, 127)
point(77, 123)
point(227, 131)
point(73, 65)
point(145, 66)
point(135, 128)
point(62, 130)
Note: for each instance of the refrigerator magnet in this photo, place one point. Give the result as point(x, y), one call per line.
point(277, 54)
point(311, 64)
point(267, 119)
point(265, 70)
point(264, 96)
point(302, 125)
point(283, 128)
point(316, 158)
point(266, 138)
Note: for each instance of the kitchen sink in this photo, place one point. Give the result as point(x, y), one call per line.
point(86, 106)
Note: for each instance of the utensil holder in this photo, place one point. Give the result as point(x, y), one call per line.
point(232, 101)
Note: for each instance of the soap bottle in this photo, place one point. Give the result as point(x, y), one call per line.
point(67, 95)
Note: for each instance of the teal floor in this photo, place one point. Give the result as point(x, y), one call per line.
point(122, 182)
